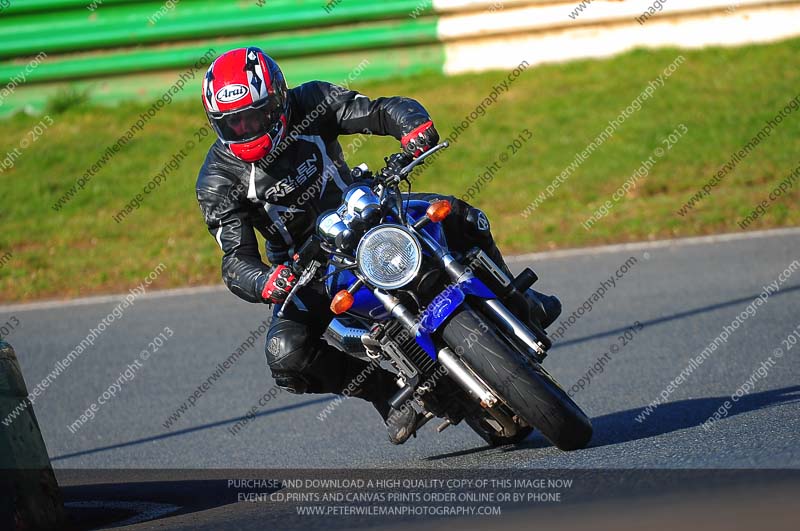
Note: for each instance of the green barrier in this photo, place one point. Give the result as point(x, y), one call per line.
point(285, 45)
point(99, 51)
point(30, 6)
point(147, 87)
point(128, 24)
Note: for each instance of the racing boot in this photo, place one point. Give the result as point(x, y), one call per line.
point(530, 305)
point(402, 423)
point(544, 308)
point(378, 388)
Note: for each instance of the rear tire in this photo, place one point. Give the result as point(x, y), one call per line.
point(521, 383)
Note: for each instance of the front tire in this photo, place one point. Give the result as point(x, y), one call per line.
point(521, 383)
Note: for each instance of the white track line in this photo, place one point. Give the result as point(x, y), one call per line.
point(104, 299)
point(544, 255)
point(656, 244)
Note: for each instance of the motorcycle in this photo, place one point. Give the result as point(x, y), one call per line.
point(439, 321)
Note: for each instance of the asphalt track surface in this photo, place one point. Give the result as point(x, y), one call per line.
point(682, 292)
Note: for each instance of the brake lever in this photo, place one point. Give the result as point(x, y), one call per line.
point(419, 160)
point(391, 179)
point(305, 278)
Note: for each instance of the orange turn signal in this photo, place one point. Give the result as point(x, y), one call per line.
point(438, 210)
point(342, 302)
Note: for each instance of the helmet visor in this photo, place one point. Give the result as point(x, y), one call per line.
point(249, 123)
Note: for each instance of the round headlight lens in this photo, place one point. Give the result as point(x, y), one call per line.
point(389, 256)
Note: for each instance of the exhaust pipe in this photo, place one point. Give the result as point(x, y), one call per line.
point(348, 338)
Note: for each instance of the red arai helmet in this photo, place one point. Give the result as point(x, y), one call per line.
point(244, 94)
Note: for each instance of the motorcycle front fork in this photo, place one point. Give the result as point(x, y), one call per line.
point(502, 316)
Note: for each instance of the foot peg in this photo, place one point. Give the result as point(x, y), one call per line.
point(444, 425)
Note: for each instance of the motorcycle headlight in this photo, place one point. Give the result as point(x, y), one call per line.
point(389, 256)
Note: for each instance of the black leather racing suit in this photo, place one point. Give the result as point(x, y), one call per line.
point(281, 197)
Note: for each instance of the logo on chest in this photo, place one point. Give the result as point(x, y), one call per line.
point(304, 173)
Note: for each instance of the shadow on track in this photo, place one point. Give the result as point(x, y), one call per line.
point(622, 427)
point(190, 430)
point(673, 317)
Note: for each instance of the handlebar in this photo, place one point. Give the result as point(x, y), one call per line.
point(399, 165)
point(419, 160)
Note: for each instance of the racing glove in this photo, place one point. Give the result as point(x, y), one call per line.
point(420, 140)
point(278, 285)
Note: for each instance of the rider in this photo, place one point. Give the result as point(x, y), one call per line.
point(276, 165)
